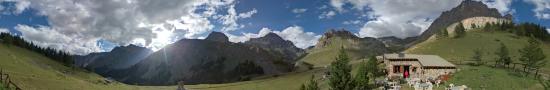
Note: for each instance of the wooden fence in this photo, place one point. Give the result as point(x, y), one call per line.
point(6, 81)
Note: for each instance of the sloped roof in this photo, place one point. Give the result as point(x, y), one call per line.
point(425, 60)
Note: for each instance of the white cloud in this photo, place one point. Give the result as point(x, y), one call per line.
point(295, 34)
point(246, 36)
point(542, 8)
point(46, 37)
point(327, 15)
point(402, 18)
point(503, 6)
point(338, 4)
point(230, 21)
point(151, 23)
point(4, 30)
point(352, 22)
point(19, 6)
point(299, 10)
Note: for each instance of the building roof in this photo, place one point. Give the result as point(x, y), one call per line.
point(425, 60)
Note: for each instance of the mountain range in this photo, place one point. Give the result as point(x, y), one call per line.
point(216, 60)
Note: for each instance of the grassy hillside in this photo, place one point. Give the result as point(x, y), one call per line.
point(321, 57)
point(32, 71)
point(460, 49)
point(477, 77)
point(489, 78)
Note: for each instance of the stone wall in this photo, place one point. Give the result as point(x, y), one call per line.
point(389, 67)
point(433, 73)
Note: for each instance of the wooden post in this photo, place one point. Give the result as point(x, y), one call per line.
point(6, 80)
point(495, 64)
point(514, 67)
point(524, 66)
point(536, 73)
point(8, 84)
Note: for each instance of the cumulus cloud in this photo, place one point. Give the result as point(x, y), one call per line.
point(295, 34)
point(19, 7)
point(542, 8)
point(503, 6)
point(4, 30)
point(150, 23)
point(402, 18)
point(352, 22)
point(246, 36)
point(230, 21)
point(299, 10)
point(327, 15)
point(46, 37)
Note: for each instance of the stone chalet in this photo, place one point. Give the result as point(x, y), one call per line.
point(416, 66)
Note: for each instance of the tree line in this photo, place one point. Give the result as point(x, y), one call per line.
point(52, 53)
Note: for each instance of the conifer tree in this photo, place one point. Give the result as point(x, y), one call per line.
point(532, 55)
point(340, 77)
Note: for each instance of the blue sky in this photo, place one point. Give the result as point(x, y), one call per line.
point(82, 27)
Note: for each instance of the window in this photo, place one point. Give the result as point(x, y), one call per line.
point(395, 69)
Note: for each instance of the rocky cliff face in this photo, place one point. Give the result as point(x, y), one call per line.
point(274, 43)
point(325, 40)
point(212, 60)
point(467, 9)
point(358, 48)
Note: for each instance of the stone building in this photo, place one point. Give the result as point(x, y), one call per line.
point(416, 66)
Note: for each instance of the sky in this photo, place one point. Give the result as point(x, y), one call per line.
point(86, 26)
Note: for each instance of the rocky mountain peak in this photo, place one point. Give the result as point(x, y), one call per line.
point(339, 33)
point(273, 42)
point(273, 37)
point(466, 9)
point(130, 47)
point(217, 36)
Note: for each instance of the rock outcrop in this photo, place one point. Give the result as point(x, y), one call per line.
point(217, 36)
point(274, 43)
point(467, 9)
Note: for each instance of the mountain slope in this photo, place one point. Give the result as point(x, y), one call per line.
point(119, 58)
point(32, 71)
point(330, 43)
point(274, 43)
point(466, 9)
point(196, 61)
point(460, 49)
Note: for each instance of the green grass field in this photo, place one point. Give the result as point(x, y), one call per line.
point(483, 77)
point(461, 49)
point(478, 77)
